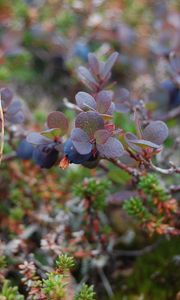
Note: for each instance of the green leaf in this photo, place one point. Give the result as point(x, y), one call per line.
point(51, 133)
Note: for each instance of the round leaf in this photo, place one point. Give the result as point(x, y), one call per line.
point(80, 141)
point(85, 101)
point(89, 122)
point(111, 149)
point(102, 136)
point(104, 99)
point(156, 132)
point(57, 119)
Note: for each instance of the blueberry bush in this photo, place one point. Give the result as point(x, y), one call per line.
point(89, 204)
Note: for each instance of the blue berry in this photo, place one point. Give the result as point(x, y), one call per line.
point(25, 150)
point(45, 156)
point(72, 154)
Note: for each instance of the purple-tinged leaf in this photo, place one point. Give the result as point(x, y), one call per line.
point(37, 139)
point(102, 136)
point(51, 133)
point(93, 63)
point(6, 97)
point(80, 140)
point(87, 78)
point(109, 64)
point(156, 132)
point(85, 101)
point(144, 143)
point(17, 118)
point(14, 113)
point(111, 149)
point(104, 99)
point(111, 109)
point(138, 144)
point(89, 122)
point(57, 119)
point(129, 138)
point(14, 107)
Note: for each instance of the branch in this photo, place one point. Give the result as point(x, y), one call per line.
point(132, 171)
point(173, 169)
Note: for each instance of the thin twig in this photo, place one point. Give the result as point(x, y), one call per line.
point(132, 171)
point(173, 169)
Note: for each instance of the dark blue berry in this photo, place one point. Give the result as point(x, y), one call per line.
point(25, 150)
point(72, 154)
point(45, 156)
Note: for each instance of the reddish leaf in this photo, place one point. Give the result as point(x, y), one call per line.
point(57, 119)
point(102, 136)
point(111, 149)
point(89, 122)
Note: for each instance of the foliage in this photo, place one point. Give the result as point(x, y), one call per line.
point(96, 191)
point(86, 293)
point(89, 181)
point(9, 293)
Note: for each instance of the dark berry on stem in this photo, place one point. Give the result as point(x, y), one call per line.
point(72, 154)
point(25, 150)
point(45, 156)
